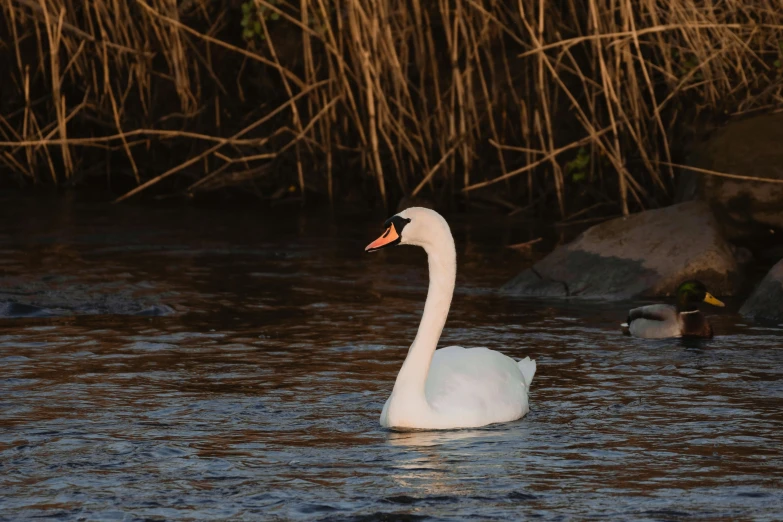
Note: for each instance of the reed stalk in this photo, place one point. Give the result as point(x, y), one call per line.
point(538, 102)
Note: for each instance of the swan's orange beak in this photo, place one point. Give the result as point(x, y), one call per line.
point(388, 238)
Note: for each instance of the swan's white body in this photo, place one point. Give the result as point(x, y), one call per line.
point(453, 387)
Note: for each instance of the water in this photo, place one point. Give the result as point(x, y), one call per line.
point(257, 394)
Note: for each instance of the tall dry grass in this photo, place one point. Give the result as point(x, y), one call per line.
point(521, 102)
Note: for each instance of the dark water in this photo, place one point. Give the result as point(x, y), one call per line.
point(256, 395)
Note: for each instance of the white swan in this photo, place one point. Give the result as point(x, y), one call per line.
point(452, 387)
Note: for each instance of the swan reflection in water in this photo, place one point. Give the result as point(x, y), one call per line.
point(434, 465)
point(428, 438)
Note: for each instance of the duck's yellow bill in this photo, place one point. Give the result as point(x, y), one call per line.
point(709, 298)
point(387, 238)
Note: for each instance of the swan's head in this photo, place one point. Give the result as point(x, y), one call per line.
point(413, 226)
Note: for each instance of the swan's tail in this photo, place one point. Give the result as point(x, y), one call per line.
point(528, 368)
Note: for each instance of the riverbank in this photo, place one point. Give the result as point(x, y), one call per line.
point(554, 107)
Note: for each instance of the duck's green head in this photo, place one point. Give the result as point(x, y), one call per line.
point(691, 293)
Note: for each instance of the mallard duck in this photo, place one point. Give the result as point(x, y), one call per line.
point(660, 321)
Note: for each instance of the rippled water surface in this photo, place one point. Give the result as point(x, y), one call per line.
point(253, 388)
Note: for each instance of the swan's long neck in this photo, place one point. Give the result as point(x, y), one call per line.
point(442, 258)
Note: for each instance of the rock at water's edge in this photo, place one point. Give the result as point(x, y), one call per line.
point(748, 147)
point(53, 296)
point(645, 254)
point(765, 304)
point(12, 309)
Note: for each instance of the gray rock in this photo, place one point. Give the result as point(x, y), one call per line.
point(157, 311)
point(765, 304)
point(748, 147)
point(51, 296)
point(645, 254)
point(12, 309)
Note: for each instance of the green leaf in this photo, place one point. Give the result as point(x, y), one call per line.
point(579, 163)
point(777, 63)
point(246, 8)
point(274, 16)
point(247, 34)
point(579, 176)
point(257, 27)
point(244, 22)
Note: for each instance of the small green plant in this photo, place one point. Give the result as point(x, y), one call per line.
point(777, 63)
point(251, 18)
point(579, 166)
point(686, 64)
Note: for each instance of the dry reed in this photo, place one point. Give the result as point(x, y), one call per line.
point(448, 97)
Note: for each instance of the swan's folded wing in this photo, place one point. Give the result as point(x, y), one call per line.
point(476, 382)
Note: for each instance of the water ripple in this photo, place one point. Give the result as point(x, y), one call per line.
point(261, 398)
